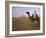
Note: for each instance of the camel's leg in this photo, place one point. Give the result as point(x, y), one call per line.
point(32, 21)
point(38, 21)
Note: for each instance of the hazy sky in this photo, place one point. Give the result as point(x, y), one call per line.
point(19, 11)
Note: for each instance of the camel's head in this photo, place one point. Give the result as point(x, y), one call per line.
point(27, 13)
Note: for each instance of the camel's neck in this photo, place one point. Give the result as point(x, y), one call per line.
point(29, 15)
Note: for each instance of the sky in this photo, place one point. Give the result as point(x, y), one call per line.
point(19, 11)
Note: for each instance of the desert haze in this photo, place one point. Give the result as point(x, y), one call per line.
point(24, 23)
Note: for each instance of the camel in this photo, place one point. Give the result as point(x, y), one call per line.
point(32, 18)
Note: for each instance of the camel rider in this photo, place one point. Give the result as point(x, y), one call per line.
point(34, 14)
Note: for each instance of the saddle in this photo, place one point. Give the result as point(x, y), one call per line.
point(34, 16)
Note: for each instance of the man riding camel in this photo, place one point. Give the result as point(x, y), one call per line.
point(34, 15)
